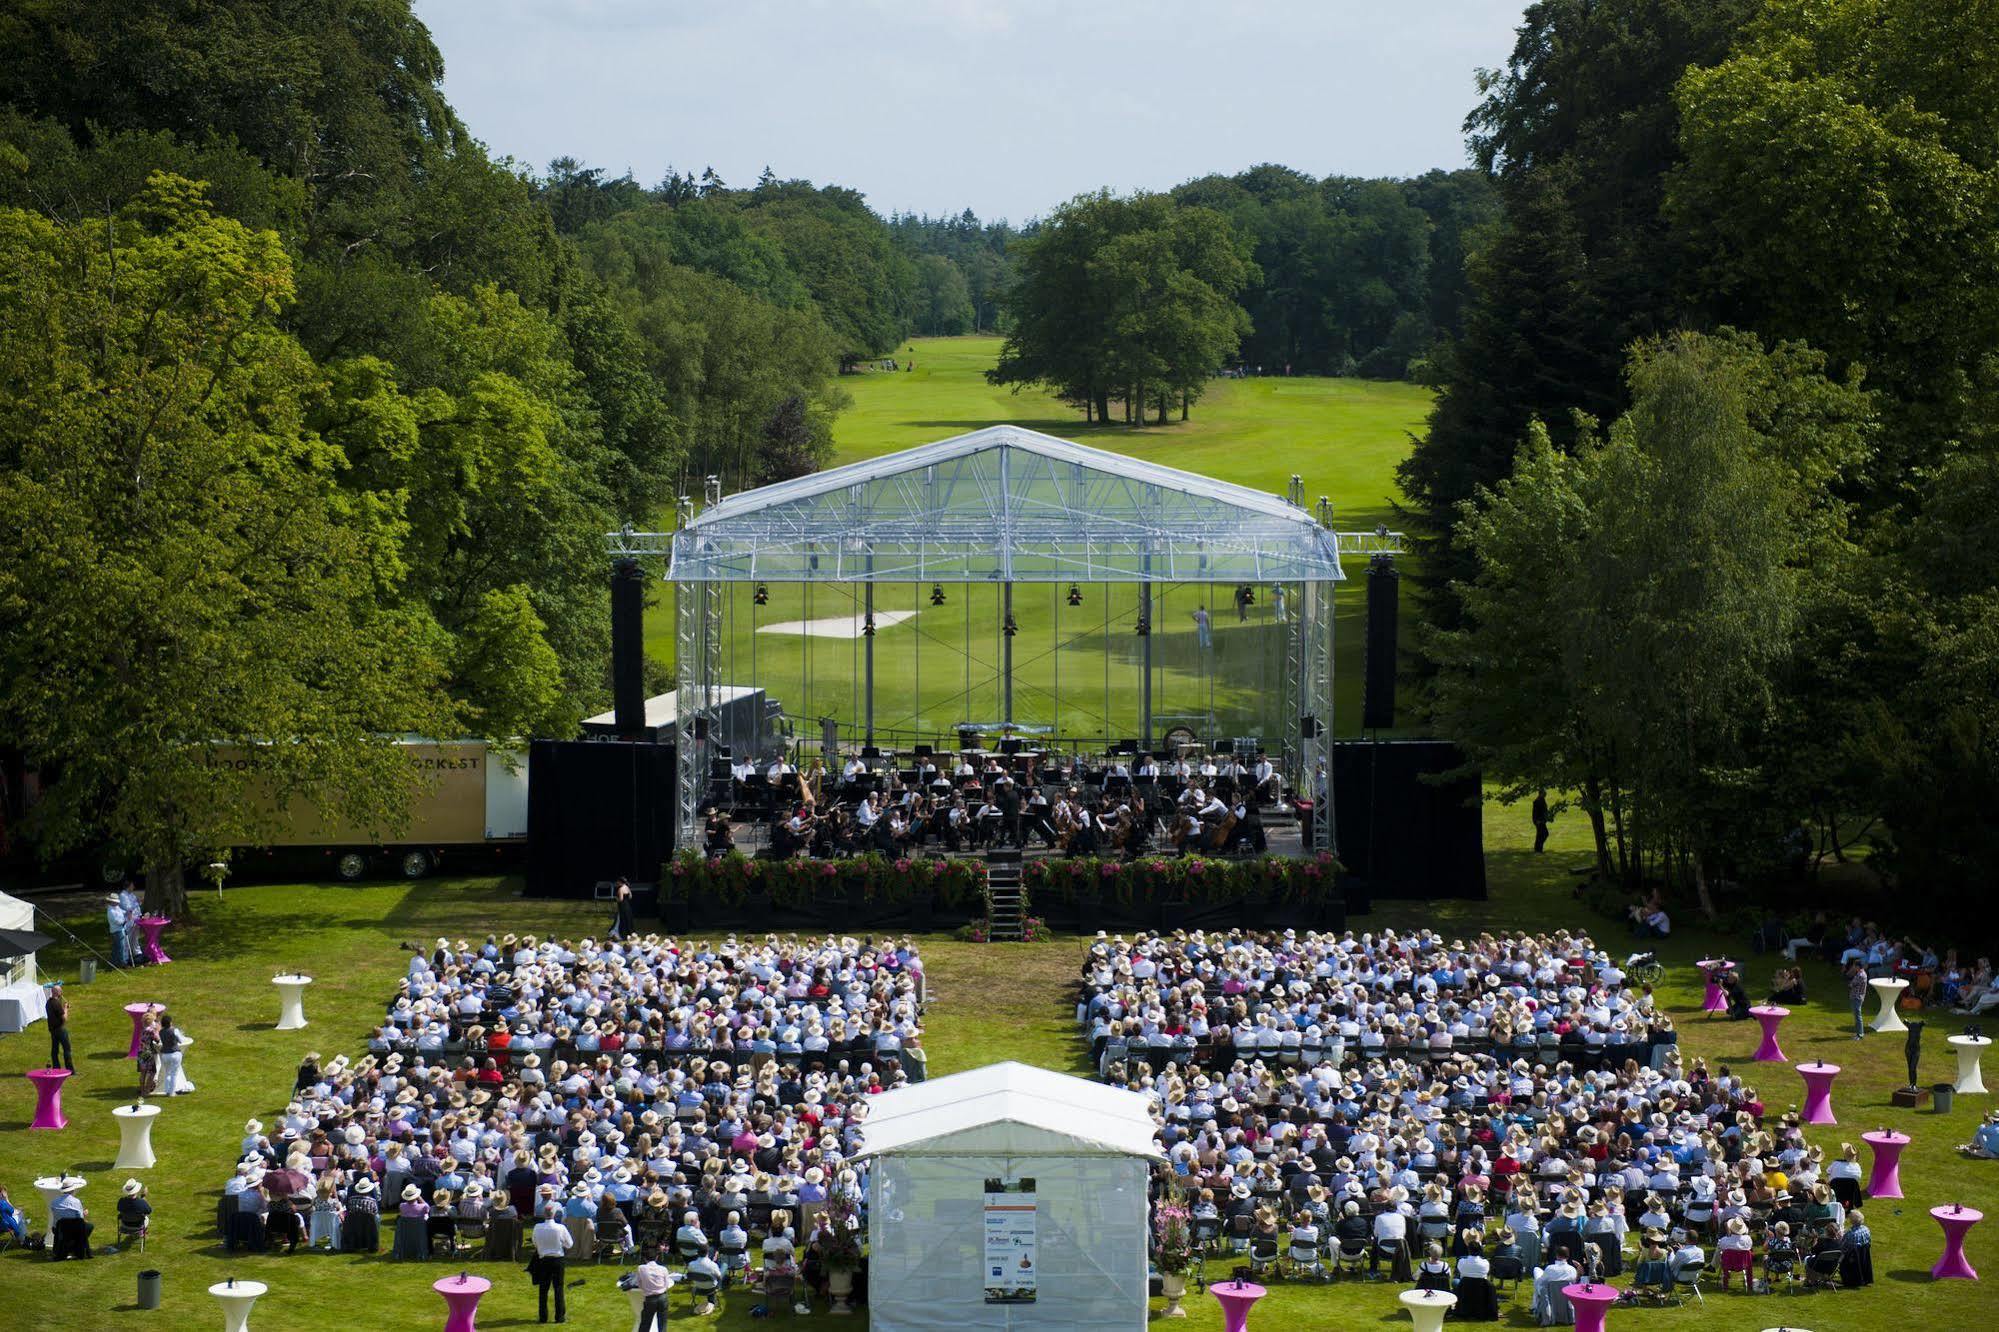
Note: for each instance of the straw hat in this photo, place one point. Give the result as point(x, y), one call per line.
point(254, 1127)
point(411, 1193)
point(133, 1188)
point(364, 1185)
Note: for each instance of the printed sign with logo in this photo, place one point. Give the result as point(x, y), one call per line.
point(1009, 1241)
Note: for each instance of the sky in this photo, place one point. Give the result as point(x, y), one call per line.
point(1007, 107)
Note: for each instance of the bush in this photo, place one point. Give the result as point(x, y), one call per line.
point(893, 881)
point(1193, 880)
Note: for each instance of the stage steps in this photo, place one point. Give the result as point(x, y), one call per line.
point(1003, 891)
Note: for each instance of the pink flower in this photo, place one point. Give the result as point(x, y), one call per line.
point(827, 871)
point(1110, 869)
point(902, 866)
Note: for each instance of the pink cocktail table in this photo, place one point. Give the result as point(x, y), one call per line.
point(1818, 1092)
point(1885, 1181)
point(461, 1294)
point(1769, 1015)
point(1592, 1302)
point(48, 1097)
point(139, 1012)
point(1236, 1298)
point(151, 926)
point(1714, 999)
point(1956, 1222)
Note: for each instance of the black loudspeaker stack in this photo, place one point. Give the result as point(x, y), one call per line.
point(1377, 700)
point(628, 688)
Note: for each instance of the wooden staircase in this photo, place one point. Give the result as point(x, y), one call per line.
point(1003, 893)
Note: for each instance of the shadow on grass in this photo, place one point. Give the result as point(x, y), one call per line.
point(1912, 1276)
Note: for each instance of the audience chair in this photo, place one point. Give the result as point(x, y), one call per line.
point(1352, 1260)
point(1822, 1270)
point(1688, 1278)
point(701, 1289)
point(582, 1234)
point(780, 1291)
point(1263, 1255)
point(124, 1236)
point(1305, 1261)
point(70, 1238)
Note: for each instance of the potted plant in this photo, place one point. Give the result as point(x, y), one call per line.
point(1172, 1250)
point(840, 1249)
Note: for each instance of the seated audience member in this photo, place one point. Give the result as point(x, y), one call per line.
point(1550, 1306)
point(12, 1220)
point(133, 1209)
point(1856, 1264)
point(1788, 986)
point(69, 1224)
point(1984, 1142)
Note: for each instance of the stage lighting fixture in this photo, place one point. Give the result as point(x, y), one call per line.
point(936, 594)
point(1075, 595)
point(762, 595)
point(1144, 626)
point(1009, 628)
point(868, 629)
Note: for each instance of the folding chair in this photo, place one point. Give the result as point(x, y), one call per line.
point(124, 1236)
point(1206, 1231)
point(1822, 1270)
point(1688, 1278)
point(609, 1242)
point(1352, 1260)
point(1305, 1261)
point(701, 1289)
point(1263, 1255)
point(780, 1290)
point(582, 1235)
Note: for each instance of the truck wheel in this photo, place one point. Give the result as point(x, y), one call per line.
point(351, 866)
point(416, 864)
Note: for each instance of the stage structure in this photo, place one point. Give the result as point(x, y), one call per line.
point(1005, 507)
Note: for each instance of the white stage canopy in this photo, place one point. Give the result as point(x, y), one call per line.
point(1008, 1197)
point(21, 998)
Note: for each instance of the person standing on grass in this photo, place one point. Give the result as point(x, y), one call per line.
point(114, 925)
point(58, 1020)
point(1203, 631)
point(1541, 821)
point(651, 1281)
point(552, 1242)
point(1856, 995)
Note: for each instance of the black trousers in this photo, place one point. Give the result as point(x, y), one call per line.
point(652, 1313)
point(59, 1048)
point(550, 1273)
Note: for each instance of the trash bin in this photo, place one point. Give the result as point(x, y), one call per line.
point(149, 1288)
point(1940, 1095)
point(86, 971)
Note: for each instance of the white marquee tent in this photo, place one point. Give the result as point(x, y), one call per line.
point(1007, 1167)
point(21, 1000)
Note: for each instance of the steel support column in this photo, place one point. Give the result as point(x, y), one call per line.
point(1006, 653)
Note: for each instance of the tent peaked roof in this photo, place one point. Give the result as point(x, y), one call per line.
point(1005, 504)
point(1009, 1108)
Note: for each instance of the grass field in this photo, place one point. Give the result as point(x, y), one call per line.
point(1077, 669)
point(990, 1002)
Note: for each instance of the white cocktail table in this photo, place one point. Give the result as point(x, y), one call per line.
point(1970, 1078)
point(291, 1001)
point(236, 1297)
point(1888, 1019)
point(135, 1136)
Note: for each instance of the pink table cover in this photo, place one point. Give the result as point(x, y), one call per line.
point(152, 925)
point(1818, 1092)
point(1592, 1302)
point(1769, 1015)
point(1236, 1298)
point(48, 1097)
point(461, 1295)
point(1885, 1181)
point(1956, 1222)
point(138, 1012)
point(1714, 1000)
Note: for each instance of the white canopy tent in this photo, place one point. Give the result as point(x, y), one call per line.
point(1009, 1154)
point(21, 999)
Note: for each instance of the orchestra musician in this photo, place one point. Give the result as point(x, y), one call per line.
point(1268, 787)
point(719, 838)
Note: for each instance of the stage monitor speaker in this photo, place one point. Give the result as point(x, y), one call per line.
point(628, 690)
point(1377, 700)
point(1308, 727)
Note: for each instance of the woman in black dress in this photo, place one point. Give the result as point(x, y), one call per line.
point(625, 925)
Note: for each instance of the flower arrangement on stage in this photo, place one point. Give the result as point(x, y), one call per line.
point(1195, 880)
point(887, 880)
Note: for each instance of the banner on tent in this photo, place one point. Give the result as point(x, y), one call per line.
point(1009, 1249)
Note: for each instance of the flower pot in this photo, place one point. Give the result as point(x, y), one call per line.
point(840, 1285)
point(1173, 1285)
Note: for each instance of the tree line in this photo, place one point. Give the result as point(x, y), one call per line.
point(1707, 489)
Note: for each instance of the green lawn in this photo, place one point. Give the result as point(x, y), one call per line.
point(990, 1002)
point(1077, 669)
